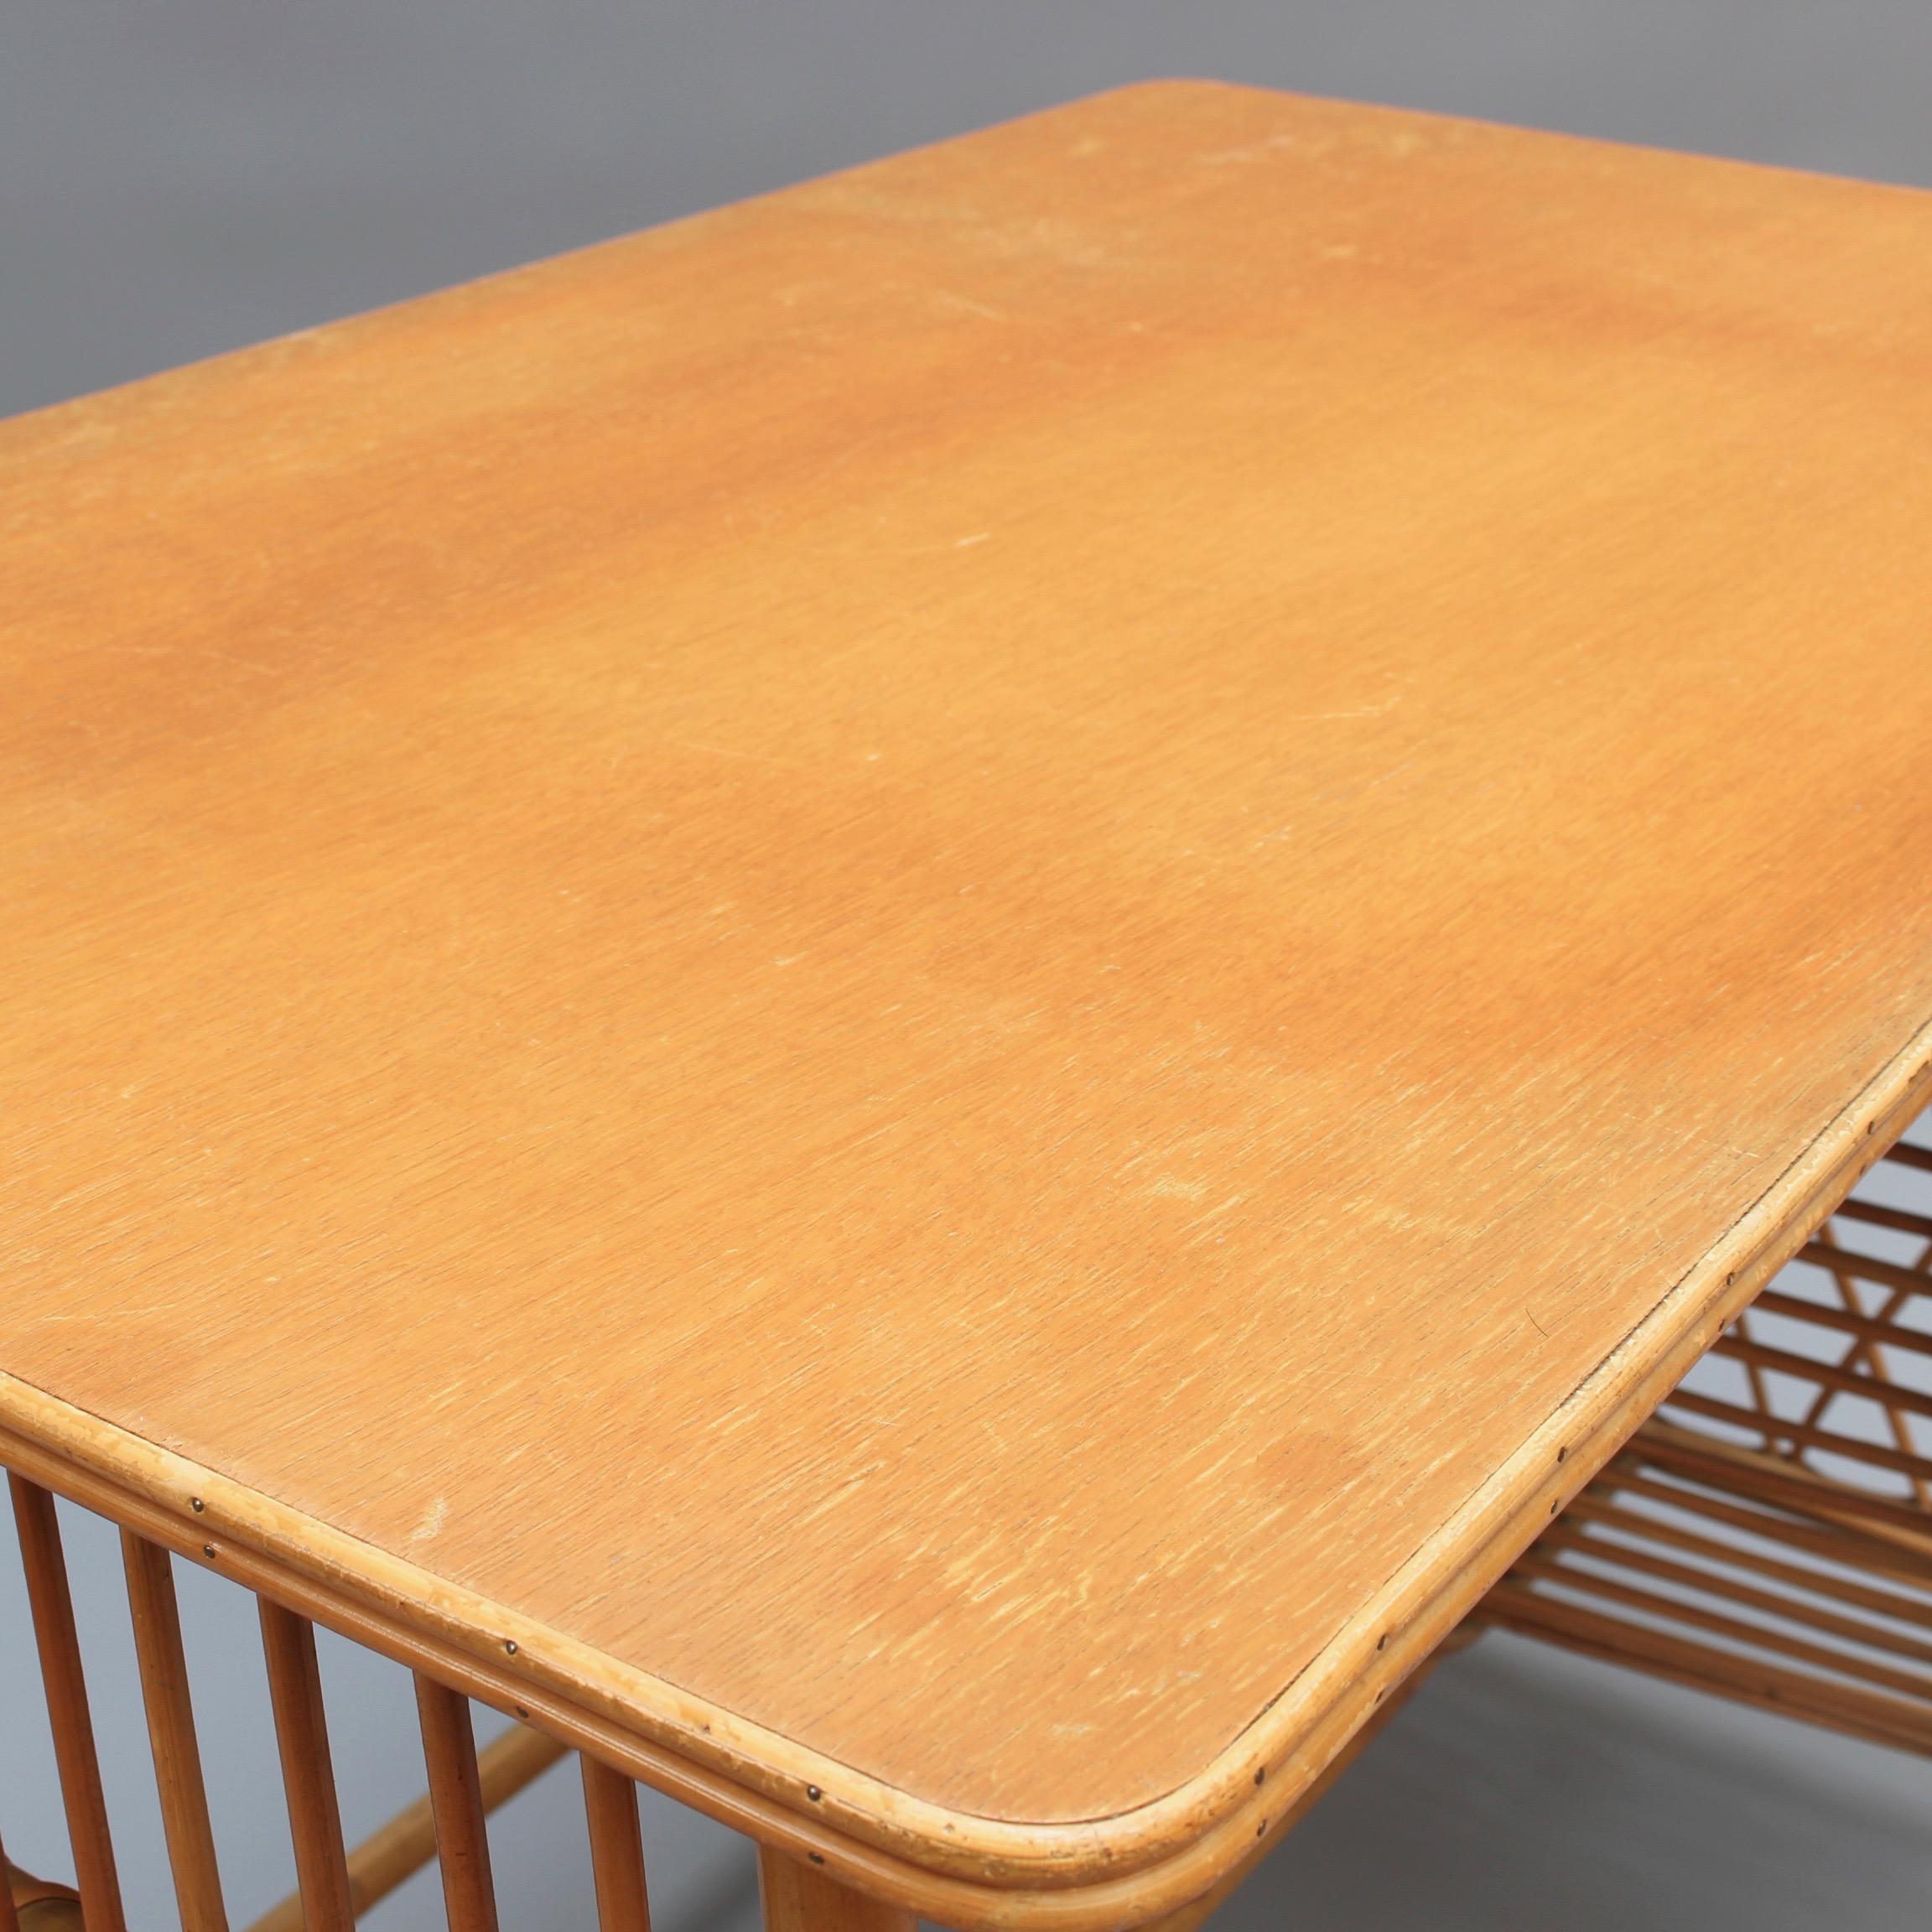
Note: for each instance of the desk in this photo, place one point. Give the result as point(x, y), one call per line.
point(919, 1001)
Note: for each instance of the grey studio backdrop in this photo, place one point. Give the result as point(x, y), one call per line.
point(179, 177)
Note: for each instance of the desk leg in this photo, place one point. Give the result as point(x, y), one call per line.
point(799, 1897)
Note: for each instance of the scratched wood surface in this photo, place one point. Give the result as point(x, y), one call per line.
point(924, 952)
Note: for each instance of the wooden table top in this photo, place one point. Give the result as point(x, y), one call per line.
point(943, 967)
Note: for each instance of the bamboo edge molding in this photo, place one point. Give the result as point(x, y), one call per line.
point(968, 1871)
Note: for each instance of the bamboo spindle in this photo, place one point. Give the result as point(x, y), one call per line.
point(66, 1690)
point(308, 1777)
point(401, 1848)
point(157, 1619)
point(456, 1801)
point(616, 1848)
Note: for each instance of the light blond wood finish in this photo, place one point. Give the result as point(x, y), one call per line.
point(1065, 832)
point(798, 1897)
point(164, 1691)
point(616, 1848)
point(307, 1776)
point(401, 1848)
point(65, 1684)
point(456, 1800)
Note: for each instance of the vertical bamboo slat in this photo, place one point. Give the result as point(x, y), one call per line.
point(798, 1898)
point(67, 1712)
point(157, 1619)
point(302, 1733)
point(616, 1848)
point(401, 1847)
point(456, 1800)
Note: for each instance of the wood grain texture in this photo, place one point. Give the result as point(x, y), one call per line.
point(926, 955)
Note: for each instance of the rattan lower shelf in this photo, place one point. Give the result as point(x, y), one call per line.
point(1768, 1536)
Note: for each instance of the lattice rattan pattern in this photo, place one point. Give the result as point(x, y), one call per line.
point(1768, 1536)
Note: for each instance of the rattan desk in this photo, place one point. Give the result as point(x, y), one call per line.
point(919, 1002)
